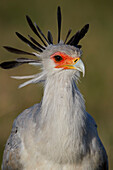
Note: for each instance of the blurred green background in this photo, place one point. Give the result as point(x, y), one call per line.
point(97, 84)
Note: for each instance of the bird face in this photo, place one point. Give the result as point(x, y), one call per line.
point(64, 61)
point(61, 58)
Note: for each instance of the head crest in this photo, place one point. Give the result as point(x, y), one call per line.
point(73, 41)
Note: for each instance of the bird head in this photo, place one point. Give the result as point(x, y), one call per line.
point(53, 58)
point(61, 57)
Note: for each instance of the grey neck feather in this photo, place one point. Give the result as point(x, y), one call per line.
point(62, 119)
point(61, 97)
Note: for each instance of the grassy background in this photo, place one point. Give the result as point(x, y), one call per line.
point(97, 85)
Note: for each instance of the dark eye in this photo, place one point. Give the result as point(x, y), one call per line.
point(58, 57)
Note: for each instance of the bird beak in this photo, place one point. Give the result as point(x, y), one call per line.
point(73, 63)
point(79, 65)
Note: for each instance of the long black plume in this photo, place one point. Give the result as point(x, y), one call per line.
point(82, 33)
point(50, 38)
point(35, 42)
point(34, 29)
point(59, 22)
point(41, 33)
point(69, 32)
point(9, 64)
point(78, 36)
point(28, 42)
point(17, 51)
point(17, 62)
point(73, 38)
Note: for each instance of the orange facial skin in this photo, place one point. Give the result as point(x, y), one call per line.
point(66, 62)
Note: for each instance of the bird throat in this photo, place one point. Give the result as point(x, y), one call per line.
point(61, 97)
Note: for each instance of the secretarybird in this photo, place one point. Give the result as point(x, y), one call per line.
point(58, 133)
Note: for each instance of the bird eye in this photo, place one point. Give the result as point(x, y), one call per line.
point(58, 57)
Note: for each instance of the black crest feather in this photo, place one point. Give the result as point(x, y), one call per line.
point(69, 32)
point(73, 39)
point(28, 42)
point(50, 38)
point(59, 22)
point(9, 64)
point(34, 29)
point(17, 62)
point(78, 36)
point(17, 51)
point(41, 33)
point(36, 43)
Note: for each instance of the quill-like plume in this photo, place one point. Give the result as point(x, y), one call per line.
point(18, 62)
point(59, 22)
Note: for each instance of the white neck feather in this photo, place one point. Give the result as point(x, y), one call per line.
point(62, 119)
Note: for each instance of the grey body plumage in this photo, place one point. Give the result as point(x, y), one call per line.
point(58, 133)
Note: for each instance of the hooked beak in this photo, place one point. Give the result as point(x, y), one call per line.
point(80, 66)
point(73, 63)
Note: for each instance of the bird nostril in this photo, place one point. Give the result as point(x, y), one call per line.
point(75, 60)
